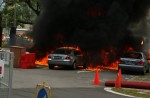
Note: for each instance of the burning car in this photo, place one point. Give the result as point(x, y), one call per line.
point(67, 57)
point(134, 61)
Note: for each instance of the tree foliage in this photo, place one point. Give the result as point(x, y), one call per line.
point(26, 12)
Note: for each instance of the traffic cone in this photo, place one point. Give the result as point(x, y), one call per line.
point(120, 74)
point(118, 79)
point(96, 80)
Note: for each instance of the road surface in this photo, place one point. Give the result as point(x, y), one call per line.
point(64, 83)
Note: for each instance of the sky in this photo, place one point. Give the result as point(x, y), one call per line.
point(1, 5)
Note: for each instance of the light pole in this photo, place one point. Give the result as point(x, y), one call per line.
point(1, 29)
point(13, 28)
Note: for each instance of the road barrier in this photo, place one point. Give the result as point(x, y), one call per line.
point(43, 91)
point(27, 61)
point(130, 84)
point(6, 72)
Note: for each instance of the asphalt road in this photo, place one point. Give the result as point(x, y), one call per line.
point(64, 83)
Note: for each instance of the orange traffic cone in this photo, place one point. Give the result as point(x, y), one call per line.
point(118, 80)
point(96, 80)
point(120, 74)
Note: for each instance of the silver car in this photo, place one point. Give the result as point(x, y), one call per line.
point(134, 61)
point(67, 57)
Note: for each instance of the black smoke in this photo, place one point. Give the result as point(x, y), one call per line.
point(90, 24)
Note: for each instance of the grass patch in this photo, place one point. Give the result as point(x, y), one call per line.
point(133, 92)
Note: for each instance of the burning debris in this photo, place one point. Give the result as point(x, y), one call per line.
point(102, 28)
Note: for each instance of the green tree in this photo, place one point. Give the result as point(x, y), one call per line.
point(26, 12)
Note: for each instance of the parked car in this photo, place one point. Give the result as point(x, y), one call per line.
point(66, 57)
point(134, 61)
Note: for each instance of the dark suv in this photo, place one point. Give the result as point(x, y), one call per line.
point(66, 56)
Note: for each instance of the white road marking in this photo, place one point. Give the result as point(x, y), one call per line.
point(83, 71)
point(127, 78)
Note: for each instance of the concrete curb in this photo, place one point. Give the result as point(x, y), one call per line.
point(109, 89)
point(130, 84)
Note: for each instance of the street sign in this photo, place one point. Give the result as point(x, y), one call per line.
point(43, 91)
point(1, 68)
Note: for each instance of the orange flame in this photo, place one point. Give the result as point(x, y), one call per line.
point(42, 61)
point(76, 48)
point(142, 42)
point(113, 66)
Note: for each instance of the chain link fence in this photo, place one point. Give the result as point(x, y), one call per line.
point(6, 81)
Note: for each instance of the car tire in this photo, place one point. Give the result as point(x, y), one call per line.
point(51, 66)
point(74, 66)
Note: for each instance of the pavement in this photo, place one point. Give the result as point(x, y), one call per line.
point(109, 89)
point(30, 92)
point(23, 93)
point(143, 80)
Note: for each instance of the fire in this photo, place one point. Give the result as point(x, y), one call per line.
point(142, 42)
point(42, 61)
point(76, 48)
point(113, 66)
point(108, 60)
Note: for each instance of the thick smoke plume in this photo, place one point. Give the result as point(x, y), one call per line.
point(93, 25)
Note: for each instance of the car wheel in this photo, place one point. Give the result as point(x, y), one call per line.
point(51, 66)
point(74, 66)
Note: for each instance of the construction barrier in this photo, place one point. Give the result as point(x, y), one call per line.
point(130, 84)
point(43, 91)
point(18, 51)
point(127, 84)
point(6, 72)
point(27, 61)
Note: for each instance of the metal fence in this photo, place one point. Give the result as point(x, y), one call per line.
point(6, 81)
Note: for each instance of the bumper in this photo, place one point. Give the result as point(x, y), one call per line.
point(131, 67)
point(62, 62)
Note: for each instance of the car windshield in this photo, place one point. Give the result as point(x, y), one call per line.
point(133, 55)
point(62, 51)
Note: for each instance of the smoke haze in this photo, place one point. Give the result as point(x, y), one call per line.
point(92, 25)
